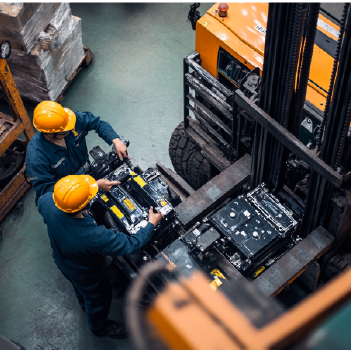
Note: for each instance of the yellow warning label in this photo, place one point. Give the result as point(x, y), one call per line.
point(104, 198)
point(216, 283)
point(117, 212)
point(218, 273)
point(129, 204)
point(139, 181)
point(163, 202)
point(260, 270)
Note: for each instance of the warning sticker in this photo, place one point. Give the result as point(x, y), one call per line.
point(140, 181)
point(218, 273)
point(260, 270)
point(129, 204)
point(216, 283)
point(163, 202)
point(104, 198)
point(261, 29)
point(118, 213)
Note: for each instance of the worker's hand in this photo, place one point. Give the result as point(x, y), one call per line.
point(154, 218)
point(105, 185)
point(121, 148)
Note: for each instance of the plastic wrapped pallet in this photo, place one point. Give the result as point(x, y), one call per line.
point(43, 73)
point(21, 23)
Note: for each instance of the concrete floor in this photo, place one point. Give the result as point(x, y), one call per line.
point(135, 83)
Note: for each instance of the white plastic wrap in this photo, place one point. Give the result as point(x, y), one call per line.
point(24, 36)
point(43, 74)
point(58, 68)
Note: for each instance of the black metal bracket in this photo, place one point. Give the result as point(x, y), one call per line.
point(289, 140)
point(194, 15)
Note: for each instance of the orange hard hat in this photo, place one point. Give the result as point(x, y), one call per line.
point(73, 192)
point(51, 117)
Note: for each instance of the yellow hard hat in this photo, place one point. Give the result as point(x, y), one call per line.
point(51, 117)
point(73, 192)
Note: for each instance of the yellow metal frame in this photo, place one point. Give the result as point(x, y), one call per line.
point(21, 123)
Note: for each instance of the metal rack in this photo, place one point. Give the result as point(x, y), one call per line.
point(20, 121)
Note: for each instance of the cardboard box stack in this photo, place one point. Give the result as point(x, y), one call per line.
point(47, 47)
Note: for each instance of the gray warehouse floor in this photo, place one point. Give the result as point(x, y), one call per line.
point(134, 83)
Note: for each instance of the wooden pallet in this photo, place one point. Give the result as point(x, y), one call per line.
point(85, 62)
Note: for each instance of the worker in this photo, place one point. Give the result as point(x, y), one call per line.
point(59, 148)
point(79, 247)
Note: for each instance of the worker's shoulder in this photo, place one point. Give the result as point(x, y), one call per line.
point(35, 140)
point(35, 144)
point(85, 117)
point(82, 115)
point(45, 201)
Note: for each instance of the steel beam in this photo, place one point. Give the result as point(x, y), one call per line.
point(294, 263)
point(209, 148)
point(176, 179)
point(214, 192)
point(189, 59)
point(288, 139)
point(218, 138)
point(209, 96)
point(206, 112)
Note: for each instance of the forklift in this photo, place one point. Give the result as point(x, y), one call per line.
point(229, 52)
point(274, 166)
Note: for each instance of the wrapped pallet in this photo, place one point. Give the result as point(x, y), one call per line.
point(21, 23)
point(44, 71)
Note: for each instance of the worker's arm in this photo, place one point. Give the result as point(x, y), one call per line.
point(117, 243)
point(103, 129)
point(91, 122)
point(39, 172)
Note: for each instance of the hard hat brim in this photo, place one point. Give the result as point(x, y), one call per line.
point(71, 120)
point(93, 186)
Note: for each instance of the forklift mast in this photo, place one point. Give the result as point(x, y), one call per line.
point(229, 55)
point(187, 315)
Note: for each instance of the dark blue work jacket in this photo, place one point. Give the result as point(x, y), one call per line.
point(79, 246)
point(47, 162)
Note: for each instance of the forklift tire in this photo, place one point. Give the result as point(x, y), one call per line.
point(199, 170)
point(187, 160)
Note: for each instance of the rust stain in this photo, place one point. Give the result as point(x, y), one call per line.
point(168, 259)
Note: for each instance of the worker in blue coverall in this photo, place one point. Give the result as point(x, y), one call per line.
point(59, 148)
point(79, 247)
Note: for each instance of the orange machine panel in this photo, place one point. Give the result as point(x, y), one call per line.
point(242, 34)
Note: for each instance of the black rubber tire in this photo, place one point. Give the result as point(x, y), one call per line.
point(187, 159)
point(177, 146)
point(199, 170)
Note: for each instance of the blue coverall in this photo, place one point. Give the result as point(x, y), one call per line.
point(79, 247)
point(47, 162)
